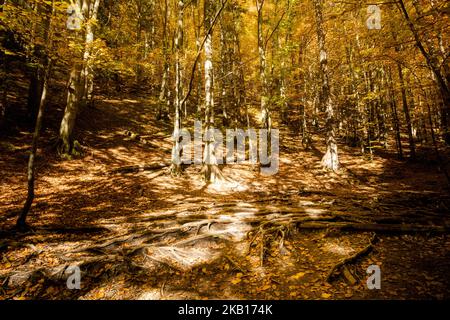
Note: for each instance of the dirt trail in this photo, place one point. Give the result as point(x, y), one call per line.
point(147, 235)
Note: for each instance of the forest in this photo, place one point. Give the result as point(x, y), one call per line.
point(224, 149)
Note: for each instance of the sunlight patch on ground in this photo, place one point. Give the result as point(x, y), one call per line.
point(306, 203)
point(225, 187)
point(313, 212)
point(154, 294)
point(237, 231)
point(249, 212)
point(183, 258)
point(285, 160)
point(339, 249)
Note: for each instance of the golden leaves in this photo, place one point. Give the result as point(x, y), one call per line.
point(298, 276)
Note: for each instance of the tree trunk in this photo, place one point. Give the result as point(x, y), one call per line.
point(74, 97)
point(3, 90)
point(330, 160)
point(176, 149)
point(393, 103)
point(91, 7)
point(31, 172)
point(210, 169)
point(80, 82)
point(224, 69)
point(265, 112)
point(197, 29)
point(412, 145)
point(34, 93)
point(164, 102)
point(3, 78)
point(439, 78)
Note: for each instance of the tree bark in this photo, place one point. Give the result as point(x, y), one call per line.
point(439, 78)
point(210, 169)
point(265, 112)
point(393, 103)
point(176, 149)
point(412, 145)
point(31, 169)
point(330, 160)
point(80, 82)
point(3, 88)
point(164, 102)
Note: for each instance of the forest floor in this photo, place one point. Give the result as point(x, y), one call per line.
point(148, 235)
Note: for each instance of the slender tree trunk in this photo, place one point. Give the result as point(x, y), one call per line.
point(141, 49)
point(238, 69)
point(330, 160)
point(36, 81)
point(34, 93)
point(164, 101)
point(440, 79)
point(393, 103)
point(3, 89)
point(31, 169)
point(412, 145)
point(265, 113)
point(177, 150)
point(3, 78)
point(87, 73)
point(224, 68)
point(210, 169)
point(198, 41)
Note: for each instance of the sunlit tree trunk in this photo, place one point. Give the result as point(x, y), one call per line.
point(238, 72)
point(265, 113)
point(224, 75)
point(164, 101)
point(330, 160)
point(176, 149)
point(210, 169)
point(141, 49)
point(80, 82)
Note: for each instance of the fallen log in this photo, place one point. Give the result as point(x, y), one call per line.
point(374, 227)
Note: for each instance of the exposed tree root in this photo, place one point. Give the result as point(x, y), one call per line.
point(268, 236)
point(278, 229)
point(342, 264)
point(142, 238)
point(212, 173)
point(136, 137)
point(235, 264)
point(140, 168)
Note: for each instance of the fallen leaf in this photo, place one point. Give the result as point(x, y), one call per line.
point(298, 276)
